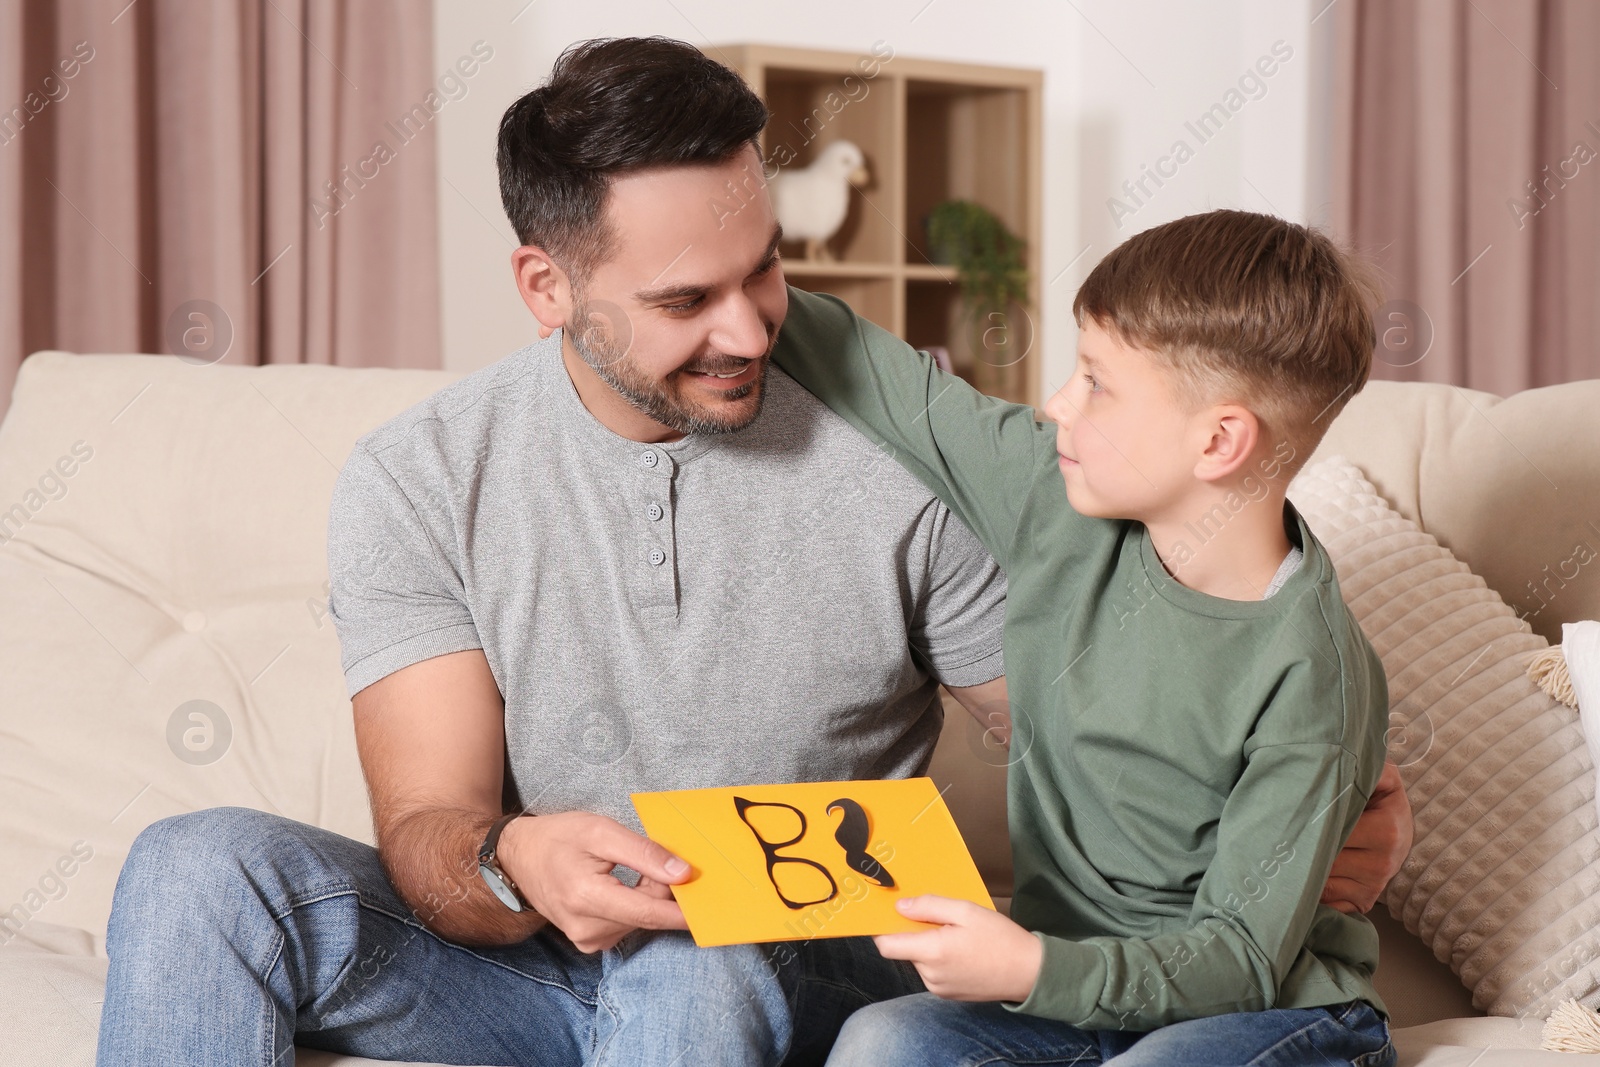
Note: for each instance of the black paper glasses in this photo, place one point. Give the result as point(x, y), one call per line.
point(796, 880)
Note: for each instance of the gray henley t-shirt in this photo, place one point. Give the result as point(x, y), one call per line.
point(771, 605)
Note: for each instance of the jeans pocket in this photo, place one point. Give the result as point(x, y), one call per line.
point(1362, 1019)
point(1383, 1057)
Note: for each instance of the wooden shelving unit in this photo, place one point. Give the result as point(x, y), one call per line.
point(931, 131)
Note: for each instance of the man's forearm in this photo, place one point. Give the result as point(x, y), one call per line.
point(1376, 849)
point(990, 703)
point(431, 857)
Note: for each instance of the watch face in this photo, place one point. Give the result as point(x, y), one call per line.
point(492, 879)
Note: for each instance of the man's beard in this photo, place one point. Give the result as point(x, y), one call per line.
point(602, 339)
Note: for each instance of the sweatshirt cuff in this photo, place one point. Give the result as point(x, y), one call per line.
point(1072, 977)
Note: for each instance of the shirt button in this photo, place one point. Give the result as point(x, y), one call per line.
point(649, 459)
point(654, 511)
point(657, 557)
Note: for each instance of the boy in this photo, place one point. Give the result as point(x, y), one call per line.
point(1205, 719)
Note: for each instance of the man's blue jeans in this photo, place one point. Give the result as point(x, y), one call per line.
point(925, 1031)
point(235, 934)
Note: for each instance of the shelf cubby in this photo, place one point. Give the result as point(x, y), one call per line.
point(930, 131)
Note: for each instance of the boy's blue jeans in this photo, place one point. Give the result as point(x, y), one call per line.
point(235, 933)
point(926, 1031)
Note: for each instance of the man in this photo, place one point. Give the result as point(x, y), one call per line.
point(630, 557)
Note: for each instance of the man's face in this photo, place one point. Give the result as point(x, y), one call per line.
point(682, 318)
point(1127, 446)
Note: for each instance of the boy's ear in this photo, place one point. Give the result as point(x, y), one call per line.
point(1233, 434)
point(543, 286)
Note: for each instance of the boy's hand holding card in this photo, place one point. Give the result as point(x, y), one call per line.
point(816, 859)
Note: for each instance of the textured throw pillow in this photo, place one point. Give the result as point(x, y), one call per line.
point(1503, 881)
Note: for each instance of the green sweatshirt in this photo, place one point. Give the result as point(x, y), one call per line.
point(1184, 767)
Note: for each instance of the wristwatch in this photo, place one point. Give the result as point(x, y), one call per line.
point(497, 880)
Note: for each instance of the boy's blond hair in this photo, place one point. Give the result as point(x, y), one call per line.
point(1248, 309)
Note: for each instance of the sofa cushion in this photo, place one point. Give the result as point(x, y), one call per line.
point(1480, 1043)
point(1502, 878)
point(52, 985)
point(166, 646)
point(1507, 484)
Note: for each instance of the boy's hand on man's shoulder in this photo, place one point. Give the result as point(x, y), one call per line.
point(976, 954)
point(1377, 848)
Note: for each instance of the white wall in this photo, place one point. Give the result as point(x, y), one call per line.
point(1122, 77)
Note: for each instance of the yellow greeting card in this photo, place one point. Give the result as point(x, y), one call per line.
point(817, 859)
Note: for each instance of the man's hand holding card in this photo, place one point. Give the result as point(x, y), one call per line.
point(816, 859)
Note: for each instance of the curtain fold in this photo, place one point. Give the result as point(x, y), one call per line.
point(179, 177)
point(1467, 164)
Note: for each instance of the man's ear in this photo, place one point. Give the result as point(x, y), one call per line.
point(1233, 433)
point(543, 286)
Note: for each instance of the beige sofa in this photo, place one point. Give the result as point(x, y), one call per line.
point(163, 529)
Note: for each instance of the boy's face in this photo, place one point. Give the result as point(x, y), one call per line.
point(1127, 447)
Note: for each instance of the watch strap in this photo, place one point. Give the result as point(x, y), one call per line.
point(491, 840)
point(488, 862)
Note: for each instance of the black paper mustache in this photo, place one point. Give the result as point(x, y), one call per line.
point(852, 836)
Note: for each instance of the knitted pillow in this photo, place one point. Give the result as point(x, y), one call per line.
point(1502, 880)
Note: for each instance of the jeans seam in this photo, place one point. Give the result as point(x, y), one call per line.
point(738, 1008)
point(319, 896)
point(269, 1016)
point(602, 1003)
point(1377, 1055)
point(1285, 1039)
point(1079, 1058)
point(846, 987)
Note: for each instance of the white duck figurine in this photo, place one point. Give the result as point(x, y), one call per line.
point(812, 202)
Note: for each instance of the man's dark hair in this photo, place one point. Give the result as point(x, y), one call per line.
point(613, 105)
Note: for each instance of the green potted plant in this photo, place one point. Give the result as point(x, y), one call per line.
point(988, 259)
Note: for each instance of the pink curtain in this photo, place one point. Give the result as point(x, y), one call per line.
point(180, 176)
point(1467, 163)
